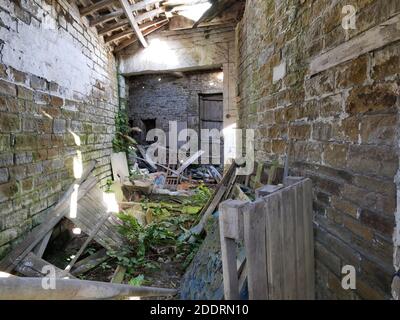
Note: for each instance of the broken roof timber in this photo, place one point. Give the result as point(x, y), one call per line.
point(133, 22)
point(124, 33)
point(115, 14)
point(128, 42)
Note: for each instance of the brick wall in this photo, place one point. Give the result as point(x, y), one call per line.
point(168, 97)
point(57, 84)
point(338, 127)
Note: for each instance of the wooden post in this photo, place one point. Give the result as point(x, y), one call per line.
point(231, 230)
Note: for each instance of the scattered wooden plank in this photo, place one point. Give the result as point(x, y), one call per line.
point(42, 245)
point(119, 166)
point(90, 262)
point(52, 218)
point(189, 161)
point(17, 288)
point(87, 241)
point(370, 40)
point(119, 275)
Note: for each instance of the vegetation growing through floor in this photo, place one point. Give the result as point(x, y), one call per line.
point(157, 241)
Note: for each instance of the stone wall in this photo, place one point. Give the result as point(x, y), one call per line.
point(338, 127)
point(169, 97)
point(57, 100)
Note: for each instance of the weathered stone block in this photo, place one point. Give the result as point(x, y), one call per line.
point(8, 190)
point(378, 222)
point(330, 106)
point(26, 141)
point(379, 129)
point(299, 131)
point(352, 73)
point(357, 228)
point(386, 62)
point(330, 260)
point(25, 93)
point(380, 161)
point(8, 235)
point(4, 142)
point(9, 122)
point(38, 83)
point(7, 88)
point(59, 126)
point(335, 155)
point(373, 99)
point(322, 131)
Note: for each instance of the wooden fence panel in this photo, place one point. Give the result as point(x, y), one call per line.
point(254, 242)
point(274, 246)
point(278, 241)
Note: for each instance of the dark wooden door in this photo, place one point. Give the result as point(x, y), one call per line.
point(211, 117)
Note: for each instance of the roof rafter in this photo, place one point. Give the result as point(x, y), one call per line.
point(132, 21)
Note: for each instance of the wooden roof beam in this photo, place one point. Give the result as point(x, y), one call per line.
point(132, 21)
point(94, 7)
point(143, 27)
point(128, 42)
point(115, 14)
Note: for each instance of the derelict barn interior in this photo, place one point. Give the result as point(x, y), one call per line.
point(299, 199)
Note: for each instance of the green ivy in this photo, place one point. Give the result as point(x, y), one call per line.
point(122, 128)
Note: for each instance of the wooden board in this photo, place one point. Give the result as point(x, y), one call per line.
point(372, 39)
point(90, 262)
point(278, 241)
point(119, 165)
point(274, 246)
point(254, 242)
point(53, 217)
point(33, 266)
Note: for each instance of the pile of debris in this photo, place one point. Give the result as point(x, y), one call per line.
point(146, 228)
point(84, 205)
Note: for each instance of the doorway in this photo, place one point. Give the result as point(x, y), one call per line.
point(211, 117)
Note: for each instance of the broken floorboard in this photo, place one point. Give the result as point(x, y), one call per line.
point(90, 262)
point(52, 218)
point(33, 266)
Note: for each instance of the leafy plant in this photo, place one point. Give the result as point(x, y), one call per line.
point(137, 281)
point(122, 129)
point(146, 243)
